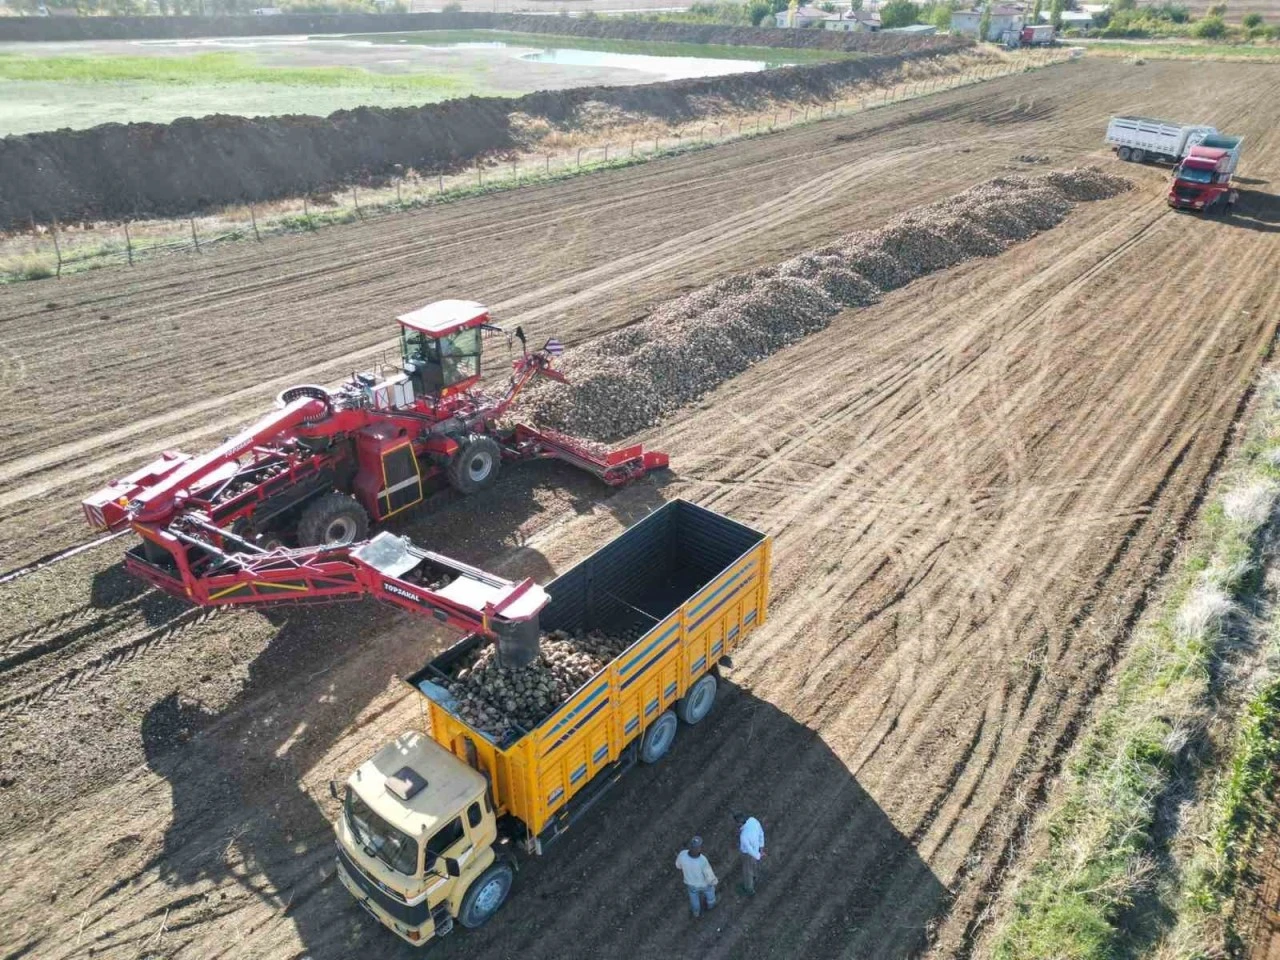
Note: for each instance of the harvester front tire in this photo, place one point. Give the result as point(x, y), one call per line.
point(486, 896)
point(657, 740)
point(475, 466)
point(698, 701)
point(334, 519)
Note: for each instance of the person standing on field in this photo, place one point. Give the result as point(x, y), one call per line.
point(751, 849)
point(699, 879)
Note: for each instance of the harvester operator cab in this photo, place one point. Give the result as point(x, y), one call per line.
point(440, 346)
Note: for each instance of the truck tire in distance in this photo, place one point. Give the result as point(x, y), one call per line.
point(475, 466)
point(485, 896)
point(658, 738)
point(1137, 155)
point(1123, 153)
point(333, 519)
point(697, 703)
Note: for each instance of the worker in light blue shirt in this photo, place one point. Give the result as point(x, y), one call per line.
point(751, 849)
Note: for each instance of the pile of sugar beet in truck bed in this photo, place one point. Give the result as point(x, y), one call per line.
point(494, 699)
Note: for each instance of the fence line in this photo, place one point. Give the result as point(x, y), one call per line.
point(413, 190)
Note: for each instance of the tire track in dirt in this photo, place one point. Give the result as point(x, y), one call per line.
point(972, 483)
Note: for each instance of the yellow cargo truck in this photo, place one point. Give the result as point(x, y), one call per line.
point(434, 825)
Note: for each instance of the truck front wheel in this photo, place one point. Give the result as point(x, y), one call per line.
point(658, 738)
point(485, 896)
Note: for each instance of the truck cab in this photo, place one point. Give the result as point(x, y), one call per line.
point(417, 841)
point(1202, 180)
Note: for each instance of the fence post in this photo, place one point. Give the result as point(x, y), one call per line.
point(399, 202)
point(548, 164)
point(579, 158)
point(128, 243)
point(479, 175)
point(740, 125)
point(515, 171)
point(439, 183)
point(633, 147)
point(306, 212)
point(253, 219)
point(775, 118)
point(57, 247)
point(194, 238)
point(606, 152)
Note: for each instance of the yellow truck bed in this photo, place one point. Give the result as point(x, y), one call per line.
point(700, 579)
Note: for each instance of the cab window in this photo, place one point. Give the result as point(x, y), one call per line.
point(474, 816)
point(444, 839)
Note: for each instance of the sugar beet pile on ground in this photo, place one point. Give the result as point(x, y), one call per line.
point(632, 378)
point(493, 698)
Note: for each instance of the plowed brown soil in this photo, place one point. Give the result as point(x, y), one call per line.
point(972, 485)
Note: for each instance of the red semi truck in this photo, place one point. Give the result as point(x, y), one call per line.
point(1202, 181)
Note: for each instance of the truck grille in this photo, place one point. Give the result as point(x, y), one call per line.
point(413, 916)
point(1186, 193)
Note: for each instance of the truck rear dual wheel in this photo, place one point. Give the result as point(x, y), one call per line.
point(475, 466)
point(1123, 153)
point(485, 896)
point(658, 738)
point(698, 701)
point(334, 519)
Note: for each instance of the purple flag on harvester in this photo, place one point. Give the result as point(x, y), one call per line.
point(554, 347)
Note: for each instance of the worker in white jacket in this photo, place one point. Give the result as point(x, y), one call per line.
point(699, 879)
point(751, 847)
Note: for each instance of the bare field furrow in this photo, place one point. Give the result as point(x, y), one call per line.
point(973, 487)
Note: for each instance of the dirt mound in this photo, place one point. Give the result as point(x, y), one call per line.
point(631, 379)
point(118, 171)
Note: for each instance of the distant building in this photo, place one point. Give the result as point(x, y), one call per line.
point(852, 21)
point(1003, 17)
point(805, 17)
point(1071, 19)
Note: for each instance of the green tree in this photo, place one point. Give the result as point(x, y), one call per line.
point(898, 13)
point(758, 11)
point(1217, 10)
point(984, 24)
point(1035, 12)
point(855, 4)
point(1209, 28)
point(1055, 15)
point(1252, 20)
point(941, 17)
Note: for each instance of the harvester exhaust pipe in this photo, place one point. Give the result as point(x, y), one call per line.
point(517, 642)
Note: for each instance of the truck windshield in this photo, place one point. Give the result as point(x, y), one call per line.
point(1195, 176)
point(377, 838)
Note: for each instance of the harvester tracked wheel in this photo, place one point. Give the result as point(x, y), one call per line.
point(697, 703)
point(332, 520)
point(658, 738)
point(485, 896)
point(475, 466)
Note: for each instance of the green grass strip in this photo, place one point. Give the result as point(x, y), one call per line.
point(207, 68)
point(1074, 900)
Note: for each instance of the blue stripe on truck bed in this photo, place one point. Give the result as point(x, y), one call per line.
point(724, 586)
point(576, 727)
point(712, 612)
point(600, 754)
point(578, 709)
point(631, 725)
point(645, 652)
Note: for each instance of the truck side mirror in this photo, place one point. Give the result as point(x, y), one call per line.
point(451, 867)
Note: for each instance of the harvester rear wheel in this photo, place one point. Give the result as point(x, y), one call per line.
point(475, 466)
point(334, 519)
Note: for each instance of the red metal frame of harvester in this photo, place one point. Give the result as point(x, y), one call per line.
point(349, 440)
